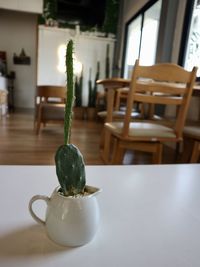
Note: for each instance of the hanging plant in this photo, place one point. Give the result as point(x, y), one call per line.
point(111, 16)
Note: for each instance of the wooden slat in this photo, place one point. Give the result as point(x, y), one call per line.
point(158, 99)
point(164, 72)
point(51, 91)
point(161, 87)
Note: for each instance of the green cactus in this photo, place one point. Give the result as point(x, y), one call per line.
point(90, 103)
point(95, 84)
point(93, 91)
point(107, 67)
point(70, 167)
point(78, 90)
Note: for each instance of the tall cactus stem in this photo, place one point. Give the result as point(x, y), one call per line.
point(70, 92)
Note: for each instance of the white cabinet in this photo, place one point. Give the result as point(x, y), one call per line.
point(35, 6)
point(89, 50)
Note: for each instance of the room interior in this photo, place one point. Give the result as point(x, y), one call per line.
point(112, 177)
point(42, 47)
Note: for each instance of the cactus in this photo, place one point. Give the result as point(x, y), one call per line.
point(78, 90)
point(95, 84)
point(90, 89)
point(93, 91)
point(70, 167)
point(107, 67)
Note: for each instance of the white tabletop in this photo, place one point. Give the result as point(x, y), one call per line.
point(150, 217)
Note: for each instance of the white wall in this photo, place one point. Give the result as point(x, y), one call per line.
point(19, 30)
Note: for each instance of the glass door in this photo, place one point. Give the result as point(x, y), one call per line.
point(141, 38)
point(133, 37)
point(150, 34)
point(192, 53)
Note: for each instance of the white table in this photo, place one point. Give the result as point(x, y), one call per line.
point(150, 216)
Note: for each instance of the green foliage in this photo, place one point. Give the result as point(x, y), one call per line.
point(90, 96)
point(70, 170)
point(70, 92)
point(49, 11)
point(93, 91)
point(107, 68)
point(78, 90)
point(70, 167)
point(111, 17)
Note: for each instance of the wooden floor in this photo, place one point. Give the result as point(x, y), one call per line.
point(19, 145)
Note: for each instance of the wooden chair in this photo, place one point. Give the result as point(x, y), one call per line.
point(112, 94)
point(165, 84)
point(118, 85)
point(120, 107)
point(49, 105)
point(191, 148)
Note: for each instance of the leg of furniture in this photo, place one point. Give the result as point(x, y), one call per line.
point(195, 152)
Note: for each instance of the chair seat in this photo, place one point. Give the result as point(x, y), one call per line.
point(144, 130)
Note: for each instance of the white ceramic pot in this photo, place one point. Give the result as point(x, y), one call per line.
point(70, 221)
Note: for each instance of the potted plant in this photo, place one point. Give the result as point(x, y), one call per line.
point(72, 213)
point(79, 110)
point(107, 65)
point(91, 110)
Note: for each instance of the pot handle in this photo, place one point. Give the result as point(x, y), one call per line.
point(33, 199)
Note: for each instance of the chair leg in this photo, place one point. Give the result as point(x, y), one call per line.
point(177, 151)
point(102, 137)
point(106, 148)
point(157, 155)
point(195, 152)
point(38, 120)
point(187, 150)
point(118, 153)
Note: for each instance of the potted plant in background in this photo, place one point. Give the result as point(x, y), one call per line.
point(72, 214)
point(91, 110)
point(79, 110)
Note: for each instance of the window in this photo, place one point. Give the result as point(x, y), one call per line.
point(141, 37)
point(190, 57)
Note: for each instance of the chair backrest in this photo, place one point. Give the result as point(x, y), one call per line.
point(45, 92)
point(166, 84)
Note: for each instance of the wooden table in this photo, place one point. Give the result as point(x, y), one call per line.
point(150, 217)
point(112, 84)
